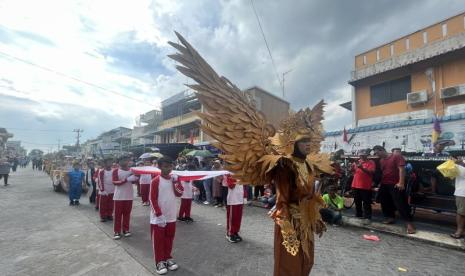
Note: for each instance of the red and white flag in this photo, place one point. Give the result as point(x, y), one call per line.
point(182, 175)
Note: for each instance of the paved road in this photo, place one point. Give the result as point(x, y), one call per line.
point(63, 240)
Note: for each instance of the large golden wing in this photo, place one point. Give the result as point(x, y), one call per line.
point(229, 116)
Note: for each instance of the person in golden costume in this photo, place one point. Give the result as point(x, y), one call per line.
point(256, 153)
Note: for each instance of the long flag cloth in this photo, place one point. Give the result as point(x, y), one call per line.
point(182, 175)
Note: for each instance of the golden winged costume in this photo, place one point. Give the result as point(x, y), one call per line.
point(256, 154)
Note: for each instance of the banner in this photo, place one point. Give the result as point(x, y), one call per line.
point(182, 175)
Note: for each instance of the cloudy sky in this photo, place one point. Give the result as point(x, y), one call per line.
point(96, 65)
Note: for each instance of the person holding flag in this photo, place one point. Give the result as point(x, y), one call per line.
point(163, 192)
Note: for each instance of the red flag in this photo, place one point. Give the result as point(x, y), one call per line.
point(191, 138)
point(344, 136)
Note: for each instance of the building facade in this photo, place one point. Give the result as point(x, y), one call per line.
point(403, 84)
point(4, 136)
point(14, 149)
point(146, 126)
point(112, 142)
point(181, 125)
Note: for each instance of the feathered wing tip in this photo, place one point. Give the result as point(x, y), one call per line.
point(229, 116)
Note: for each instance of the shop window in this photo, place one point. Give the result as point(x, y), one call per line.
point(390, 91)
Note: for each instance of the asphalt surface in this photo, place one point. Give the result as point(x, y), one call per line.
point(42, 235)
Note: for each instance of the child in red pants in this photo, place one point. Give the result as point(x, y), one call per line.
point(235, 203)
point(186, 202)
point(163, 192)
point(123, 197)
point(106, 189)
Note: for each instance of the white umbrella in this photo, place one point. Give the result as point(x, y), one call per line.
point(145, 155)
point(151, 155)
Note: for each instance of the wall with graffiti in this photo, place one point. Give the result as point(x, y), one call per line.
point(410, 139)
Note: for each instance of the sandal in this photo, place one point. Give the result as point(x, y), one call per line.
point(411, 231)
point(455, 236)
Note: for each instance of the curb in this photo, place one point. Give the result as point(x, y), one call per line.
point(442, 240)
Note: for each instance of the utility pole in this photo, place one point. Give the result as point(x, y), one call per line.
point(121, 142)
point(284, 75)
point(78, 135)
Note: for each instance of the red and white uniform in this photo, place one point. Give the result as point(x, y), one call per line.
point(235, 203)
point(163, 193)
point(122, 197)
point(106, 188)
point(144, 181)
point(186, 200)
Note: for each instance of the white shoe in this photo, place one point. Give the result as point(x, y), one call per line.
point(206, 203)
point(172, 265)
point(127, 234)
point(161, 268)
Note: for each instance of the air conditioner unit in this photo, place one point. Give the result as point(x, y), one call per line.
point(417, 97)
point(451, 92)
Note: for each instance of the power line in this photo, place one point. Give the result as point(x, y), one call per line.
point(266, 43)
point(70, 77)
point(41, 144)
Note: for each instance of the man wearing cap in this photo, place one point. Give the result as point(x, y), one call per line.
point(392, 189)
point(361, 185)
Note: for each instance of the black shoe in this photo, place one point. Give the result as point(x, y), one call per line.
point(96, 208)
point(188, 219)
point(77, 203)
point(127, 233)
point(103, 220)
point(181, 219)
point(110, 218)
point(238, 238)
point(117, 236)
point(71, 203)
point(231, 239)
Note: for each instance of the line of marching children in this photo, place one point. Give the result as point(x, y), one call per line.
point(115, 197)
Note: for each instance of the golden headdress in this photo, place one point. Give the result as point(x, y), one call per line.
point(306, 123)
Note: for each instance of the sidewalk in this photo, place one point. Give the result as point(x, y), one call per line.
point(41, 235)
point(431, 228)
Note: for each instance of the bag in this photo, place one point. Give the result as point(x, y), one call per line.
point(448, 169)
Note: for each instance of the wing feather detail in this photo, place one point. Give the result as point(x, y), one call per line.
point(230, 117)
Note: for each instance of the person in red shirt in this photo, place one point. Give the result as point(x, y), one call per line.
point(392, 189)
point(361, 185)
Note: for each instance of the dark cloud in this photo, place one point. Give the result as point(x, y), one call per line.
point(316, 39)
point(135, 58)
